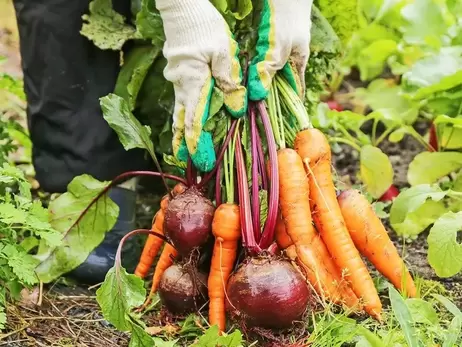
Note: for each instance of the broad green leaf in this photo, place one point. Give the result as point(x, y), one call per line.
point(78, 239)
point(106, 27)
point(444, 252)
point(372, 59)
point(449, 132)
point(386, 97)
point(323, 37)
point(140, 338)
point(448, 305)
point(428, 167)
point(432, 69)
point(453, 333)
point(130, 131)
point(376, 170)
point(445, 83)
point(212, 338)
point(118, 295)
point(422, 311)
point(149, 24)
point(134, 69)
point(426, 21)
point(404, 317)
point(343, 17)
point(416, 208)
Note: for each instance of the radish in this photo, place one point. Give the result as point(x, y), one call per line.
point(183, 291)
point(334, 105)
point(391, 193)
point(188, 220)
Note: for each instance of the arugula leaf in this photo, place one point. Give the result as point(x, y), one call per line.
point(376, 170)
point(416, 208)
point(105, 27)
point(130, 131)
point(428, 167)
point(149, 24)
point(119, 293)
point(78, 239)
point(444, 252)
point(133, 72)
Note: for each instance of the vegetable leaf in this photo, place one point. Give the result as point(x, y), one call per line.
point(372, 59)
point(376, 170)
point(404, 317)
point(119, 293)
point(416, 208)
point(444, 252)
point(105, 27)
point(78, 239)
point(422, 311)
point(149, 23)
point(212, 338)
point(130, 131)
point(140, 338)
point(453, 333)
point(428, 167)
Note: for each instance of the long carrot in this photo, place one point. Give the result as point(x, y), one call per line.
point(372, 240)
point(226, 228)
point(282, 238)
point(295, 210)
point(313, 147)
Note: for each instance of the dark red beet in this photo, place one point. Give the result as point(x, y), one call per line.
point(267, 293)
point(390, 194)
point(433, 139)
point(188, 220)
point(334, 105)
point(179, 293)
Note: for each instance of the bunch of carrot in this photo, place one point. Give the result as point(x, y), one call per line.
point(324, 235)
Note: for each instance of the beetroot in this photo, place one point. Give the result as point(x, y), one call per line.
point(267, 293)
point(390, 194)
point(180, 292)
point(188, 220)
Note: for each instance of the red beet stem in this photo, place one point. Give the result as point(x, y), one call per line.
point(261, 162)
point(209, 175)
point(433, 140)
point(273, 196)
point(118, 255)
point(248, 235)
point(255, 186)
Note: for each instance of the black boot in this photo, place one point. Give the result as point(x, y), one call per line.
point(98, 263)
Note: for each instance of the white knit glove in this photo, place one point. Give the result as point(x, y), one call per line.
point(200, 52)
point(283, 43)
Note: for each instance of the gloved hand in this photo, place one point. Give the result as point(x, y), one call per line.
point(200, 52)
point(283, 43)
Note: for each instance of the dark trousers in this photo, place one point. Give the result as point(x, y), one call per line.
point(64, 76)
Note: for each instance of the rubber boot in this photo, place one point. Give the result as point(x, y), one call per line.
point(98, 263)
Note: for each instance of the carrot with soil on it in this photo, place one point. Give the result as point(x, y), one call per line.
point(311, 251)
point(372, 240)
point(313, 147)
point(226, 228)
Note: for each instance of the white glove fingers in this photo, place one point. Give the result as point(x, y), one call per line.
point(226, 69)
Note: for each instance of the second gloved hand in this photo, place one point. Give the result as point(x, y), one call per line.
point(283, 44)
point(200, 52)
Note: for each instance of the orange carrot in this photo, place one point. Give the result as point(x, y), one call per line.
point(313, 147)
point(282, 238)
point(227, 230)
point(295, 210)
point(153, 243)
point(372, 240)
point(164, 262)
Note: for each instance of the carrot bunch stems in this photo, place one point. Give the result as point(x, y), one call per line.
point(255, 183)
point(218, 186)
point(273, 196)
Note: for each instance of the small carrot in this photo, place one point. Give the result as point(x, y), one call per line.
point(227, 230)
point(313, 147)
point(295, 210)
point(154, 243)
point(372, 240)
